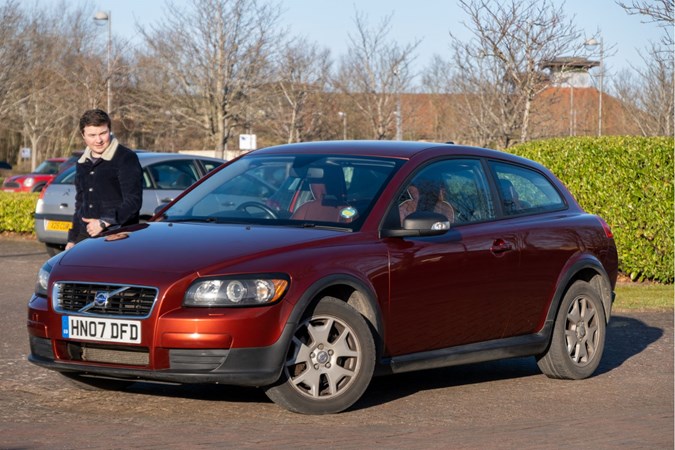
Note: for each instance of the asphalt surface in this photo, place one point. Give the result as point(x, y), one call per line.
point(628, 403)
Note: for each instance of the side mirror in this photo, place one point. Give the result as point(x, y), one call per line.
point(420, 223)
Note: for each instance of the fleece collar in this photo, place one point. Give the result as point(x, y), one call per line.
point(107, 154)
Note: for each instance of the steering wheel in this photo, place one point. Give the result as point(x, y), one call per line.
point(246, 205)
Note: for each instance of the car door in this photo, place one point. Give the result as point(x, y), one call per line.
point(165, 180)
point(535, 214)
point(455, 288)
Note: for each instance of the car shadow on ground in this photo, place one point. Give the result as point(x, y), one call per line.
point(626, 337)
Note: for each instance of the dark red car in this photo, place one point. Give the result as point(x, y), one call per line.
point(307, 268)
point(35, 181)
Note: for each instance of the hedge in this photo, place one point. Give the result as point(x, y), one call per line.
point(628, 181)
point(16, 212)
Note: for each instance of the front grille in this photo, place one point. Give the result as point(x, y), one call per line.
point(11, 184)
point(104, 299)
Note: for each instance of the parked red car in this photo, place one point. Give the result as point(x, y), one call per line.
point(34, 181)
point(307, 268)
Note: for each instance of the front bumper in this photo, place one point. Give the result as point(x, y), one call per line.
point(239, 367)
point(179, 348)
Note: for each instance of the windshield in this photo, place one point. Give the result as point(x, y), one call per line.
point(305, 190)
point(65, 177)
point(48, 167)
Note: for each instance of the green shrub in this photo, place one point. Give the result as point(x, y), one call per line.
point(628, 181)
point(16, 212)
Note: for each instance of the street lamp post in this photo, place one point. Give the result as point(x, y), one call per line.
point(592, 43)
point(399, 120)
point(343, 115)
point(107, 16)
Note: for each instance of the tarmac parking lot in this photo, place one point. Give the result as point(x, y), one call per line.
point(505, 404)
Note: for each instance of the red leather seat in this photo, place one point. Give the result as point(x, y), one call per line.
point(316, 209)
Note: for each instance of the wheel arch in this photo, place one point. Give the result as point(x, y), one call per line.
point(352, 291)
point(590, 270)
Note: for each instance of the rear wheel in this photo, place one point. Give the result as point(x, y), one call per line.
point(330, 361)
point(578, 336)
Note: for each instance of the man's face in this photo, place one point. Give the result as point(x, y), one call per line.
point(97, 138)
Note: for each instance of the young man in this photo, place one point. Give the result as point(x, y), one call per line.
point(108, 181)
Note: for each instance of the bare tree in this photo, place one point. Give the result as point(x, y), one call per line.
point(207, 62)
point(660, 11)
point(12, 54)
point(374, 73)
point(54, 43)
point(500, 67)
point(295, 108)
point(649, 95)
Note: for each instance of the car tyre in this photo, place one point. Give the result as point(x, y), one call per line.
point(330, 361)
point(95, 384)
point(578, 335)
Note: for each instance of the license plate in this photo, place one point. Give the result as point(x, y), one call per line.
point(98, 329)
point(57, 225)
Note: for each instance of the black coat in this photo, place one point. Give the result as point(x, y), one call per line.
point(110, 190)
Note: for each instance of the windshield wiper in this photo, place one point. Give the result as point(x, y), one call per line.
point(323, 227)
point(191, 219)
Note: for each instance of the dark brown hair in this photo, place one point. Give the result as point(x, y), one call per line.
point(94, 118)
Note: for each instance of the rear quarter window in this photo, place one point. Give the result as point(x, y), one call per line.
point(524, 190)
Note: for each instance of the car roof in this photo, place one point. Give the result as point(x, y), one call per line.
point(390, 149)
point(152, 156)
point(146, 158)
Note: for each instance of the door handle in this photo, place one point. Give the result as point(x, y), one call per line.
point(166, 200)
point(500, 246)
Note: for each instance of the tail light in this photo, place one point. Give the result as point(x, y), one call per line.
point(608, 231)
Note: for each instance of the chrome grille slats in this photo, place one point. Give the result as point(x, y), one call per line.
point(122, 300)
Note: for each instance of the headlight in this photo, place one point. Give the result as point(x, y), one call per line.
point(29, 181)
point(43, 279)
point(243, 291)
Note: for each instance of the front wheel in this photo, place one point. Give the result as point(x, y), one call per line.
point(578, 335)
point(329, 363)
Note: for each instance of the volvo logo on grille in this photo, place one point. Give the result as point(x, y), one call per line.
point(101, 299)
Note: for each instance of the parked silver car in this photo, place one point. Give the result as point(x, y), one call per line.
point(165, 175)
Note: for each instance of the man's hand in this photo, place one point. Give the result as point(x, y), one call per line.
point(70, 245)
point(94, 227)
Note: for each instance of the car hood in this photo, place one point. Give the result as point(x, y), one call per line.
point(186, 248)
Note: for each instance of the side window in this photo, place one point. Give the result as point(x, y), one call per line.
point(525, 191)
point(456, 188)
point(174, 175)
point(209, 165)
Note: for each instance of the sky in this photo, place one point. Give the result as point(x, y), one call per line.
point(329, 22)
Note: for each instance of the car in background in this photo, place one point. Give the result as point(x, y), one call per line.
point(305, 269)
point(165, 175)
point(36, 180)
